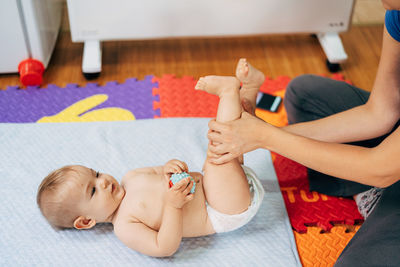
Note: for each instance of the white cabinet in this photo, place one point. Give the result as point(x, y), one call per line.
point(28, 29)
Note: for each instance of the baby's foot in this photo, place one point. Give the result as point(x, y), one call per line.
point(218, 85)
point(251, 79)
point(249, 76)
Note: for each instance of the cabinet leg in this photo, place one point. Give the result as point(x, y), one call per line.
point(91, 63)
point(333, 48)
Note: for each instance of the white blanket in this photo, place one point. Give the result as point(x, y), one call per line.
point(28, 152)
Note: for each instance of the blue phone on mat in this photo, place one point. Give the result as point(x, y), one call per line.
point(268, 102)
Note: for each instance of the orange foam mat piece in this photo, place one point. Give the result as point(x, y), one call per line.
point(278, 118)
point(275, 87)
point(322, 249)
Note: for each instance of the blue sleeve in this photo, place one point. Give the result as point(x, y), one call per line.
point(392, 22)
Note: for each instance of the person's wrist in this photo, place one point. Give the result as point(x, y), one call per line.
point(264, 135)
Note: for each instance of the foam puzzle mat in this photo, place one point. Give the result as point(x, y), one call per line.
point(312, 215)
point(128, 101)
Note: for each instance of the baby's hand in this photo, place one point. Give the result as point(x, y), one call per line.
point(174, 166)
point(179, 194)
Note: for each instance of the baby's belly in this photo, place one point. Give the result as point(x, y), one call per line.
point(195, 218)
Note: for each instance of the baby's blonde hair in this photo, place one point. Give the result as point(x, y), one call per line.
point(52, 198)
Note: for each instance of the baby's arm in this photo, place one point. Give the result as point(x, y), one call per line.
point(147, 170)
point(166, 241)
point(172, 166)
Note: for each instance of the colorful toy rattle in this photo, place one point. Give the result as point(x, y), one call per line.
point(176, 177)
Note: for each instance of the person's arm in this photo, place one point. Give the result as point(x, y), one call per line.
point(376, 118)
point(307, 143)
point(372, 166)
point(164, 242)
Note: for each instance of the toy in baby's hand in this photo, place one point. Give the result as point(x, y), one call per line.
point(176, 177)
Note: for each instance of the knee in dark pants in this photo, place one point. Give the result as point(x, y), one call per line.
point(311, 97)
point(298, 92)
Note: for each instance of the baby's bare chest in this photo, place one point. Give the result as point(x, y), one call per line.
point(144, 201)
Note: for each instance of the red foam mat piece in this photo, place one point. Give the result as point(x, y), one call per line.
point(307, 208)
point(272, 86)
point(178, 98)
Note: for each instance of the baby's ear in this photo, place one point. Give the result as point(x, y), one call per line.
point(84, 223)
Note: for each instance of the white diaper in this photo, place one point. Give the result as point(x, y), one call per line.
point(225, 222)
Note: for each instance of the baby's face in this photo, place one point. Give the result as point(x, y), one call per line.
point(96, 195)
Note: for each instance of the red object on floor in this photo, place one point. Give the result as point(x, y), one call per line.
point(31, 72)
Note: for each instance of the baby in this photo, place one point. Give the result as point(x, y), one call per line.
point(148, 215)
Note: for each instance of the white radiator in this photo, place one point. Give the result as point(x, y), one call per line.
point(94, 21)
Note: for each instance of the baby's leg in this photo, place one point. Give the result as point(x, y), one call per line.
point(251, 79)
point(225, 186)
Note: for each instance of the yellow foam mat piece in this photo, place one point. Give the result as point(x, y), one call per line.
point(323, 249)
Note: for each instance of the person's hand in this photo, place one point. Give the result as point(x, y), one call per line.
point(232, 139)
point(179, 194)
point(174, 166)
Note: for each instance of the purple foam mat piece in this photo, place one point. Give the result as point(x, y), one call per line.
point(33, 103)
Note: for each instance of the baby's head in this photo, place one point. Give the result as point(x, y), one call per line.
point(76, 196)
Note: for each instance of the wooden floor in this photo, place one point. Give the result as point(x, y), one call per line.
point(275, 55)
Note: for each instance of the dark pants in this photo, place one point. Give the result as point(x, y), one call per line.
point(377, 243)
